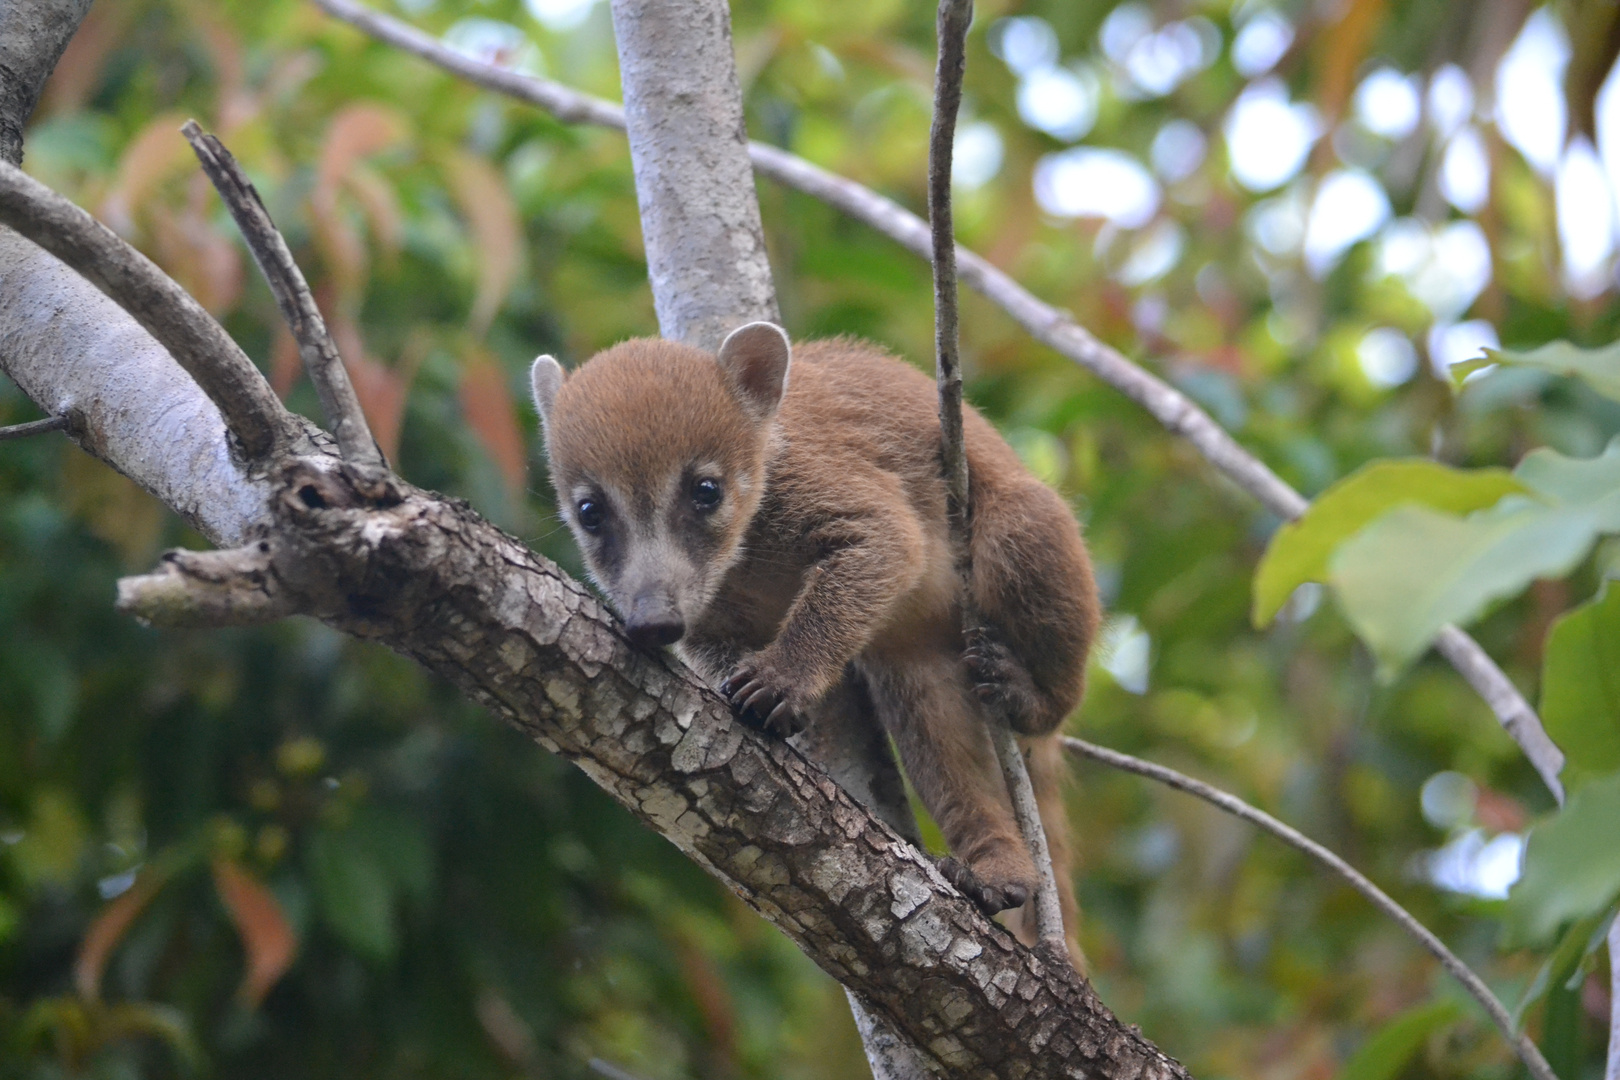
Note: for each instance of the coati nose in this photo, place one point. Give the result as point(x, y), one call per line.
point(654, 622)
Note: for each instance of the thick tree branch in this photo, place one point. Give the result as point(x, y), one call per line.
point(297, 304)
point(689, 150)
point(1053, 327)
point(167, 311)
point(427, 577)
point(1521, 1044)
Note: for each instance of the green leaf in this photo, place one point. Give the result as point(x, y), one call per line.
point(1385, 1054)
point(1599, 368)
point(355, 892)
point(1413, 570)
point(1571, 865)
point(1299, 551)
point(1580, 687)
point(1584, 937)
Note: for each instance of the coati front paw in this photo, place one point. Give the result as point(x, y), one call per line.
point(762, 699)
point(1001, 681)
point(987, 897)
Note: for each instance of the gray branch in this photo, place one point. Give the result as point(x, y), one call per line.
point(955, 16)
point(1055, 328)
point(32, 37)
point(163, 308)
point(689, 150)
point(33, 427)
point(297, 304)
point(1521, 1044)
point(1611, 1070)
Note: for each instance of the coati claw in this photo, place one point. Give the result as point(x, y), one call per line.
point(759, 704)
point(1000, 680)
point(989, 899)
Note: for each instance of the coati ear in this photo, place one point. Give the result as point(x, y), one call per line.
point(754, 360)
point(545, 379)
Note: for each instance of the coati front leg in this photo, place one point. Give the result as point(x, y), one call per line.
point(864, 561)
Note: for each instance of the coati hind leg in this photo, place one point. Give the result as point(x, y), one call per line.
point(1037, 603)
point(925, 702)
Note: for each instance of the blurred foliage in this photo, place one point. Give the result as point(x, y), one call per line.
point(284, 853)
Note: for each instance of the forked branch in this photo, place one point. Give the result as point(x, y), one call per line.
point(166, 311)
point(297, 304)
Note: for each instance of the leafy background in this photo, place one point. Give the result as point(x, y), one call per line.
point(284, 853)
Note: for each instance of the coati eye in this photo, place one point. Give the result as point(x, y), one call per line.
point(589, 514)
point(706, 494)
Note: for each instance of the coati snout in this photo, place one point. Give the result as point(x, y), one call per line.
point(788, 536)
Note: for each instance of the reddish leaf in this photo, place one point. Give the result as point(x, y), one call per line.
point(382, 390)
point(285, 362)
point(486, 401)
point(157, 152)
point(497, 233)
point(356, 132)
point(108, 929)
point(267, 936)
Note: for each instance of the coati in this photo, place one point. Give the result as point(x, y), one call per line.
point(779, 516)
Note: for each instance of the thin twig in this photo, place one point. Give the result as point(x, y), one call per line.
point(286, 281)
point(1047, 324)
point(954, 18)
point(33, 427)
point(167, 312)
point(1526, 1050)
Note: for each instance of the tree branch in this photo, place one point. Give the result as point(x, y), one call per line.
point(1177, 413)
point(689, 150)
point(163, 308)
point(32, 37)
point(955, 16)
point(1521, 1044)
point(376, 558)
point(297, 304)
point(33, 427)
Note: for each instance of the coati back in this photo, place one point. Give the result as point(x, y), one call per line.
point(787, 533)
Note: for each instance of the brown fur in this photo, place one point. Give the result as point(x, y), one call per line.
point(828, 564)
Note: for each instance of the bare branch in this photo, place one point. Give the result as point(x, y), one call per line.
point(1510, 707)
point(33, 427)
point(286, 281)
point(234, 587)
point(169, 314)
point(955, 16)
point(1521, 1044)
point(32, 37)
point(568, 106)
point(689, 150)
point(1055, 328)
point(1611, 1071)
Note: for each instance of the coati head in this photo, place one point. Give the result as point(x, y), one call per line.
point(658, 454)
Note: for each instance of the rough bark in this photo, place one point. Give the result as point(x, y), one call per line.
point(429, 578)
point(78, 355)
point(699, 215)
point(32, 37)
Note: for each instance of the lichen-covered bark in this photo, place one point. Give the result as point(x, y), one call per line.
point(429, 578)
